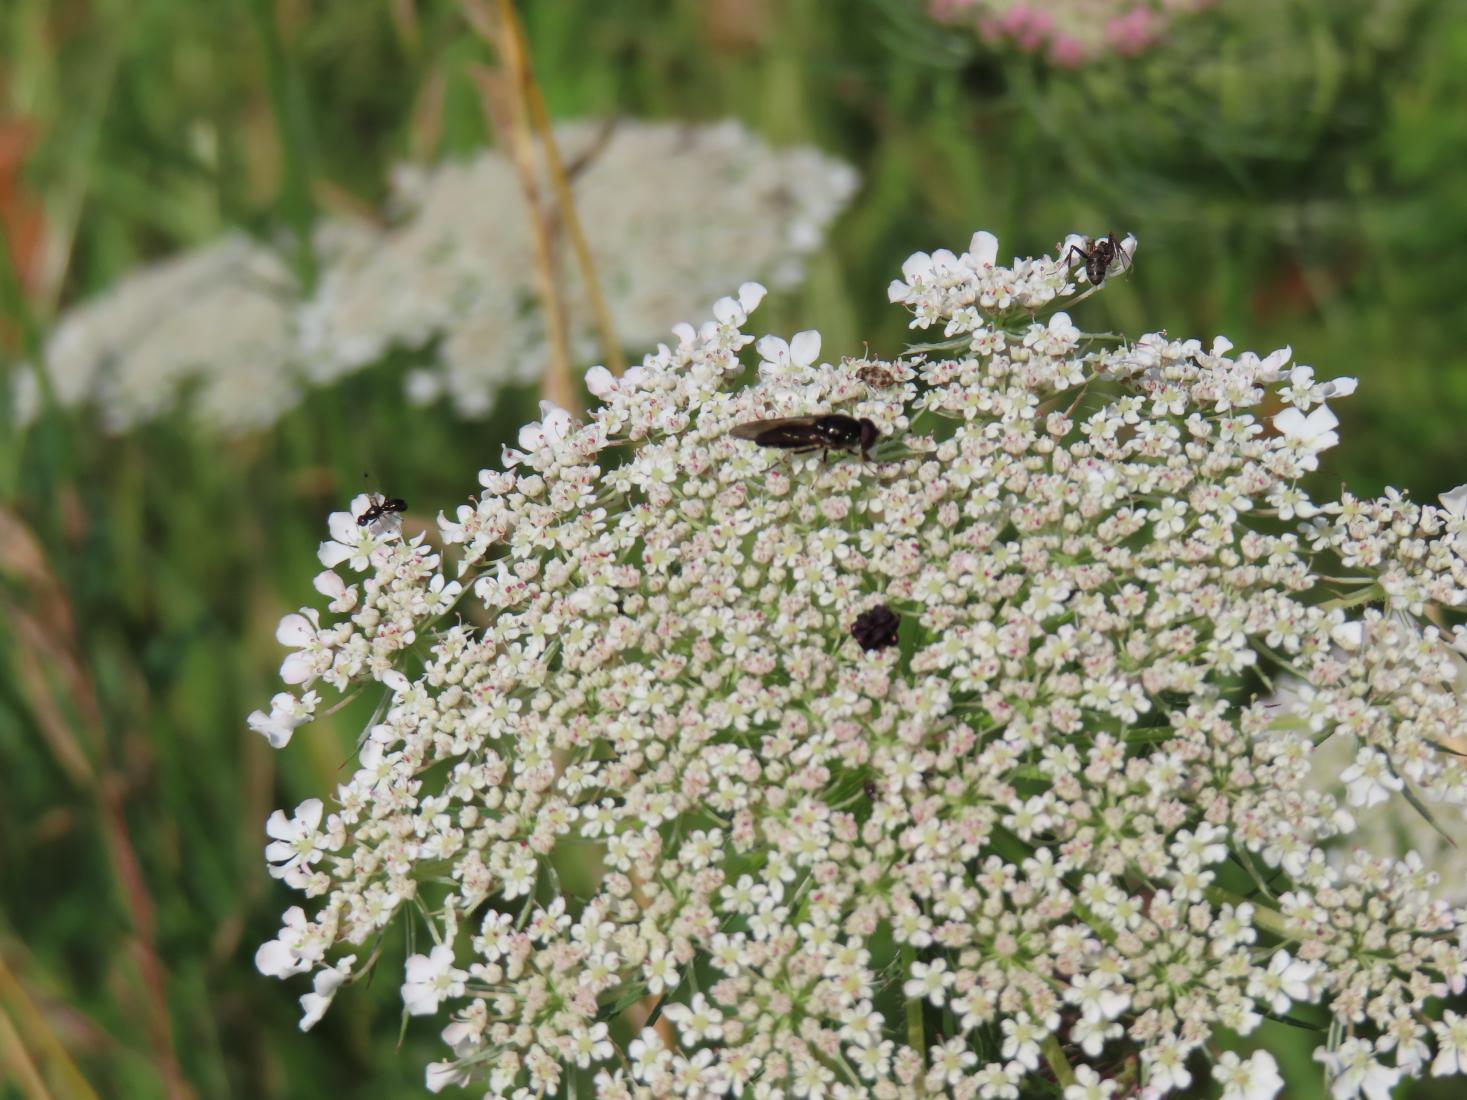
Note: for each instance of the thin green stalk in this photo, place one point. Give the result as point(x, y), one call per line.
point(288, 104)
point(916, 1033)
point(1054, 1054)
point(1267, 918)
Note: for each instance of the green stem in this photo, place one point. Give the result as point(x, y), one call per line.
point(288, 104)
point(1054, 1054)
point(1266, 917)
point(916, 1034)
point(1365, 595)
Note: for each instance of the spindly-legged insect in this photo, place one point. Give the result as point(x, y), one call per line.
point(380, 506)
point(1099, 256)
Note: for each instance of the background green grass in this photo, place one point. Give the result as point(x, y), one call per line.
point(1296, 171)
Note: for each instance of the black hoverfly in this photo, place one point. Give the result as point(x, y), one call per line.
point(1100, 256)
point(804, 434)
point(379, 508)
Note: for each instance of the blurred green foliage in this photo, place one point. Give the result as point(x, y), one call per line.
point(1296, 171)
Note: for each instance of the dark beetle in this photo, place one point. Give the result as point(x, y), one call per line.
point(803, 434)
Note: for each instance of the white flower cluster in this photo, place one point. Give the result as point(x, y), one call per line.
point(216, 322)
point(954, 769)
point(1069, 32)
point(673, 214)
point(225, 327)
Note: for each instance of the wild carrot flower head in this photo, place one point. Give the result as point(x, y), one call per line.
point(454, 277)
point(228, 330)
point(214, 326)
point(957, 768)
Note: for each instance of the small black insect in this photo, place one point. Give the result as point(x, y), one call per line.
point(803, 434)
point(877, 628)
point(379, 508)
point(1101, 256)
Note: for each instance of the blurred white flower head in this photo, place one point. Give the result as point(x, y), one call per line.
point(943, 770)
point(215, 326)
point(674, 213)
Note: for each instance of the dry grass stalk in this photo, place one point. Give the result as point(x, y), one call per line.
point(504, 104)
point(49, 651)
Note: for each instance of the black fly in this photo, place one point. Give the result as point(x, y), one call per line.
point(1100, 256)
point(380, 507)
point(803, 434)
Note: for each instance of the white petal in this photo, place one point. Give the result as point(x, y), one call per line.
point(1322, 420)
point(915, 266)
point(805, 347)
point(332, 554)
point(279, 826)
point(298, 668)
point(773, 350)
point(442, 1074)
point(330, 585)
point(308, 813)
point(726, 311)
point(1290, 424)
point(275, 960)
point(532, 437)
point(983, 249)
point(277, 733)
point(295, 630)
point(557, 422)
point(750, 295)
point(343, 525)
point(1272, 368)
point(601, 382)
point(1455, 501)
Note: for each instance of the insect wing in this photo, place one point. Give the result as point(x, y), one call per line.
point(789, 431)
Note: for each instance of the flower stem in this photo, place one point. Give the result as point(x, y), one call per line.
point(916, 1035)
point(1054, 1054)
point(1267, 918)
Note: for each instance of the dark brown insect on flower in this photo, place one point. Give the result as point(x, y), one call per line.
point(878, 378)
point(1099, 256)
point(804, 434)
point(876, 628)
point(380, 507)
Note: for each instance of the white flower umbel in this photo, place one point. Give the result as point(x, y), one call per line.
point(954, 767)
point(215, 328)
point(721, 207)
